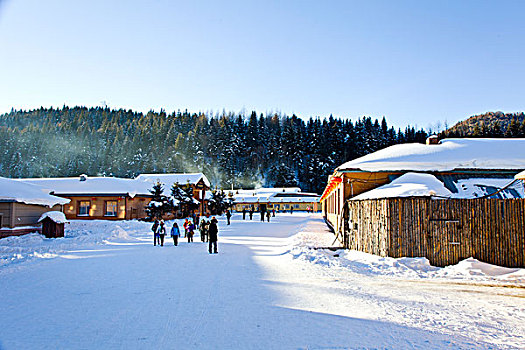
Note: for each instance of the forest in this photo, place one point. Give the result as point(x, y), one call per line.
point(232, 149)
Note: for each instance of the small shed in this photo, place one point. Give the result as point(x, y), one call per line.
point(53, 224)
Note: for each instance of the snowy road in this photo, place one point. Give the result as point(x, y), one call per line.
point(124, 293)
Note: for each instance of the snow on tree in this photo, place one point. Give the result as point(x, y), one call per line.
point(219, 202)
point(183, 199)
point(159, 204)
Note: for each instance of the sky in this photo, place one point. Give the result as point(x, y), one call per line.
point(413, 62)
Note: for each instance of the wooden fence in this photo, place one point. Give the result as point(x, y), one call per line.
point(444, 231)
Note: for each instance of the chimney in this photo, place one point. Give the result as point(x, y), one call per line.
point(433, 140)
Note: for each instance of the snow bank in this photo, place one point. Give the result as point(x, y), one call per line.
point(450, 154)
point(469, 270)
point(79, 234)
point(408, 185)
point(19, 191)
point(56, 216)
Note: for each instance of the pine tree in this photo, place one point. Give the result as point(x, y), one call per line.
point(496, 130)
point(522, 129)
point(513, 130)
point(159, 204)
point(219, 202)
point(183, 200)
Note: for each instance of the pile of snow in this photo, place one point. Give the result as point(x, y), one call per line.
point(520, 176)
point(468, 271)
point(56, 216)
point(450, 154)
point(408, 185)
point(80, 234)
point(17, 191)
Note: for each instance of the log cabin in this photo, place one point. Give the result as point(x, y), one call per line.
point(468, 168)
point(112, 198)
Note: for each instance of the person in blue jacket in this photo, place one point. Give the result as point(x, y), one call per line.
point(175, 233)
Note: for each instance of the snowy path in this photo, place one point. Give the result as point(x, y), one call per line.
point(128, 294)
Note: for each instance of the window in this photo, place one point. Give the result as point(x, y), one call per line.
point(83, 208)
point(111, 208)
point(296, 206)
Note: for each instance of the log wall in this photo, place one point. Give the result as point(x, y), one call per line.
point(444, 231)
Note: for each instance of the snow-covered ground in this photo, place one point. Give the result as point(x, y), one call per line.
point(105, 286)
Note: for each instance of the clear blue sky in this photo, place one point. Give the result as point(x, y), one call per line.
point(415, 62)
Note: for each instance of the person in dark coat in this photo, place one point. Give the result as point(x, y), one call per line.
point(203, 228)
point(191, 229)
point(213, 233)
point(263, 211)
point(244, 214)
point(154, 228)
point(252, 209)
point(175, 233)
point(162, 233)
point(268, 214)
point(228, 216)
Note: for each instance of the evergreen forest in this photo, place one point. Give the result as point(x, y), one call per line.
point(229, 148)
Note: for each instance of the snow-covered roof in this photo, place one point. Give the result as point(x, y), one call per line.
point(264, 191)
point(408, 185)
point(170, 179)
point(294, 199)
point(56, 216)
point(480, 187)
point(113, 185)
point(520, 176)
point(18, 191)
point(274, 195)
point(448, 155)
point(90, 185)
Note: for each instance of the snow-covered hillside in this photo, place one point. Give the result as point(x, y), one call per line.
point(106, 286)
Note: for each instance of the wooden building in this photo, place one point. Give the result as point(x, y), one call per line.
point(280, 199)
point(468, 168)
point(111, 198)
point(53, 224)
point(22, 205)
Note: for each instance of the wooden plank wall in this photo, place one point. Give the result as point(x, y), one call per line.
point(368, 226)
point(444, 231)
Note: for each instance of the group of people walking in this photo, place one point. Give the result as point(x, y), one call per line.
point(208, 232)
point(264, 213)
